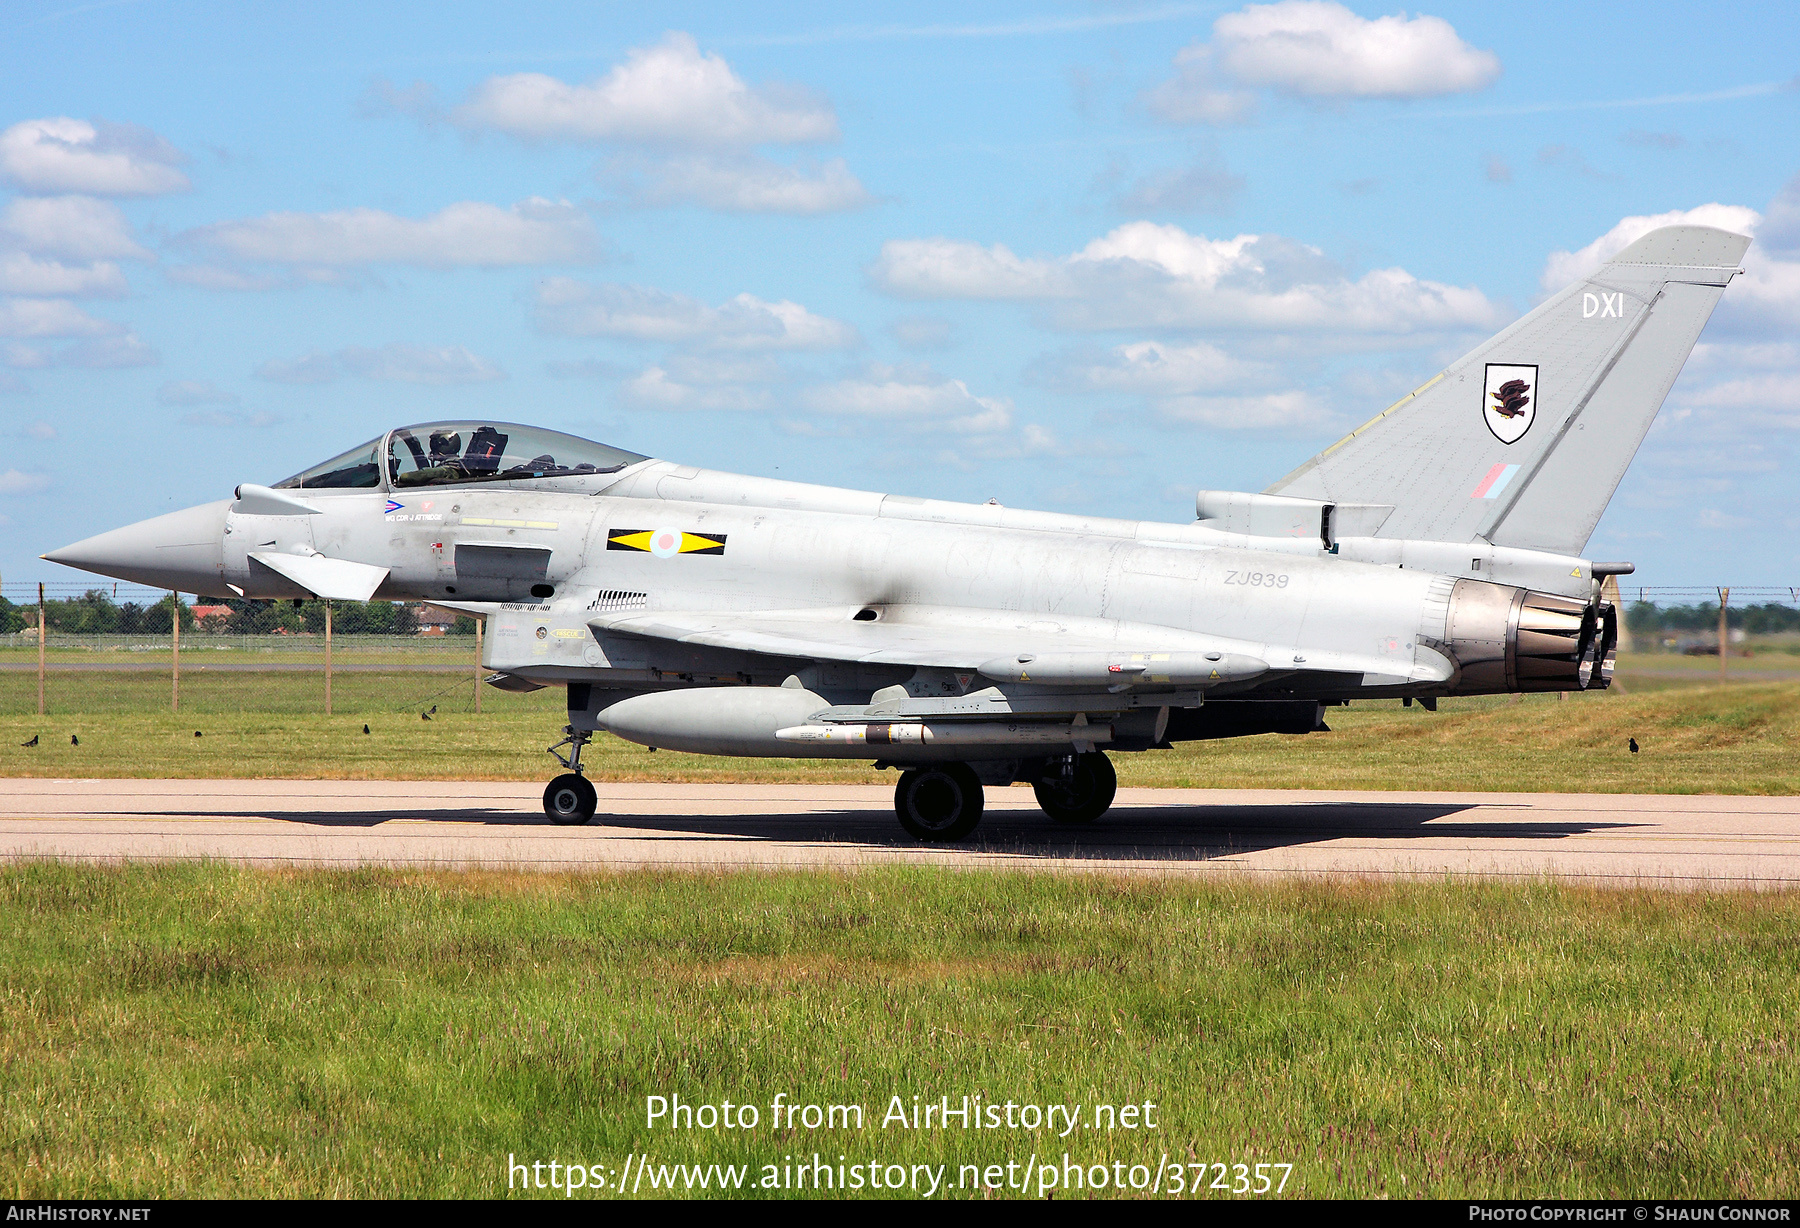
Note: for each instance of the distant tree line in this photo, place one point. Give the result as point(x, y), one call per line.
point(347, 618)
point(96, 613)
point(1769, 618)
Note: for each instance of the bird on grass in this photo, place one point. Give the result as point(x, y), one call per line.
point(365, 729)
point(424, 716)
point(33, 741)
point(74, 739)
point(434, 709)
point(1634, 745)
point(196, 733)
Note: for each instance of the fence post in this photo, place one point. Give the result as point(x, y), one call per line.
point(478, 625)
point(328, 657)
point(1724, 596)
point(175, 653)
point(41, 633)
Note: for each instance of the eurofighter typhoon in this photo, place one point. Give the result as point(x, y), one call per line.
point(1435, 551)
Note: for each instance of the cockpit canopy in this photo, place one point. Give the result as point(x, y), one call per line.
point(462, 453)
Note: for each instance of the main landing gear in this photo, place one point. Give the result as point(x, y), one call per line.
point(943, 802)
point(570, 800)
point(939, 802)
point(1077, 788)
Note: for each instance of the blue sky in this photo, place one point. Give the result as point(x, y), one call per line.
point(1080, 257)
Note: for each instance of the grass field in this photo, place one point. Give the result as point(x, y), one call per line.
point(196, 1030)
point(204, 1030)
point(1695, 738)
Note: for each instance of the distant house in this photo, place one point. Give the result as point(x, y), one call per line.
point(211, 617)
point(435, 621)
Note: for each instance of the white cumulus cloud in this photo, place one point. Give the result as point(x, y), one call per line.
point(15, 482)
point(1561, 268)
point(230, 419)
point(38, 317)
point(1321, 50)
point(469, 233)
point(22, 273)
point(1294, 408)
point(642, 313)
point(739, 183)
point(1780, 228)
point(194, 392)
point(724, 367)
point(394, 362)
point(1144, 275)
point(419, 364)
point(956, 268)
point(919, 399)
point(71, 155)
point(653, 388)
point(310, 368)
point(666, 93)
point(71, 227)
point(1764, 301)
point(1155, 368)
point(219, 277)
point(124, 350)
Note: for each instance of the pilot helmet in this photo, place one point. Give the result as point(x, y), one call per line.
point(445, 445)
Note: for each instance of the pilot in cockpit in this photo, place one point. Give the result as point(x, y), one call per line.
point(446, 449)
point(444, 464)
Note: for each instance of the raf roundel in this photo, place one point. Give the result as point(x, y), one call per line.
point(665, 543)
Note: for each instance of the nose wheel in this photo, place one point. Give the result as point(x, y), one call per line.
point(569, 800)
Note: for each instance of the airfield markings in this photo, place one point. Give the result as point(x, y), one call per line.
point(1670, 841)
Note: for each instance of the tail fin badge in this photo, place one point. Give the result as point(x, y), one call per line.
point(1509, 400)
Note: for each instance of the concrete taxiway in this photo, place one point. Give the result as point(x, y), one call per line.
point(1624, 840)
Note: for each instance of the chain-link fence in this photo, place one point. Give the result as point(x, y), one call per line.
point(1758, 619)
point(117, 648)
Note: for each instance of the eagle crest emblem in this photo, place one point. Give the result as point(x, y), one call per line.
point(1509, 400)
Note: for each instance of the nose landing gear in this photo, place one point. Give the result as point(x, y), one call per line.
point(569, 800)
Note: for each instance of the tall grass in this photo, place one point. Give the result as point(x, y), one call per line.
point(203, 1030)
point(1696, 739)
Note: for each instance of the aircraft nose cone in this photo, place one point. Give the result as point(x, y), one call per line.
point(184, 550)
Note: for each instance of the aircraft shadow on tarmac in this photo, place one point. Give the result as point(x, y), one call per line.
point(1143, 833)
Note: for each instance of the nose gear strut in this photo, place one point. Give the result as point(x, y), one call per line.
point(569, 800)
point(576, 741)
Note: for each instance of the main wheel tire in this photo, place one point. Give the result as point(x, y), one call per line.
point(1081, 797)
point(939, 803)
point(569, 800)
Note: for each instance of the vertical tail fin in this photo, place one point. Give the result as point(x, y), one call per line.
point(1523, 441)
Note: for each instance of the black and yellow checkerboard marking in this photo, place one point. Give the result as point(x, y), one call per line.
point(639, 539)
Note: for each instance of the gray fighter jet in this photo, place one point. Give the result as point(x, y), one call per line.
point(1434, 551)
